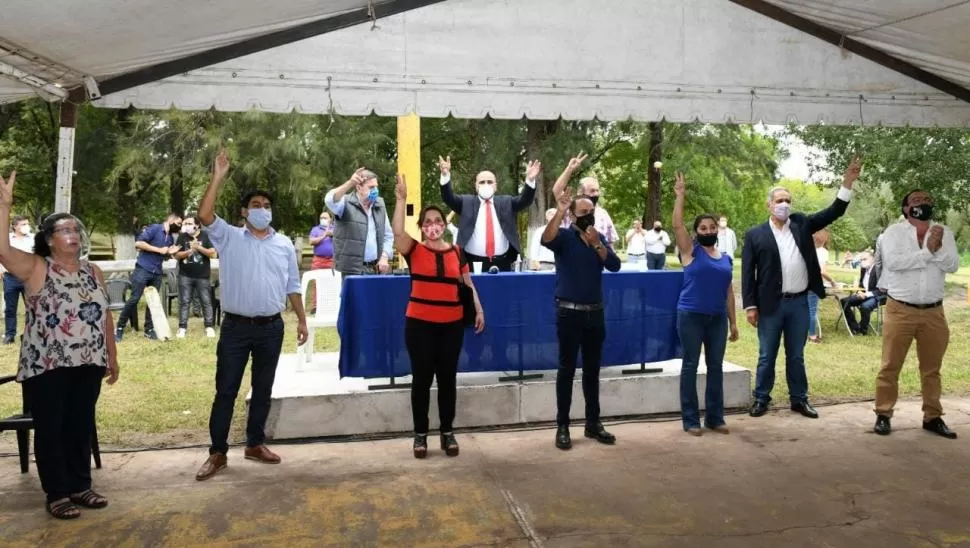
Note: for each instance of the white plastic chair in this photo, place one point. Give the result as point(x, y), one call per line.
point(328, 284)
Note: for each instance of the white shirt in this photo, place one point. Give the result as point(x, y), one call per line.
point(913, 274)
point(727, 242)
point(865, 282)
point(823, 259)
point(476, 244)
point(25, 244)
point(794, 272)
point(636, 243)
point(537, 251)
point(453, 230)
point(656, 242)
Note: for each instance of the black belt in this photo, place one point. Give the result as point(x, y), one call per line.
point(919, 306)
point(371, 264)
point(793, 295)
point(253, 320)
point(579, 306)
point(637, 254)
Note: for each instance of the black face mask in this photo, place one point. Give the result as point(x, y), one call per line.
point(174, 228)
point(594, 199)
point(922, 212)
point(707, 240)
point(585, 222)
point(656, 229)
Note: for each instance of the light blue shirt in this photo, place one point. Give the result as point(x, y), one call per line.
point(371, 252)
point(255, 276)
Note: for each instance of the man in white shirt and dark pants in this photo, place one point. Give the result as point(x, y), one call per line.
point(727, 241)
point(656, 242)
point(916, 257)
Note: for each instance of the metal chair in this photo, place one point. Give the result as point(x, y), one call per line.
point(22, 423)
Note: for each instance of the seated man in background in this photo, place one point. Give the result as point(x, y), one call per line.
point(866, 300)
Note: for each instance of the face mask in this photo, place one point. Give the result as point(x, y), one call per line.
point(372, 195)
point(323, 222)
point(584, 222)
point(174, 228)
point(432, 232)
point(782, 211)
point(594, 199)
point(260, 218)
point(722, 224)
point(486, 191)
point(656, 229)
point(707, 240)
point(922, 212)
point(188, 229)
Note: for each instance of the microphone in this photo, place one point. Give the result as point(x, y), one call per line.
point(493, 270)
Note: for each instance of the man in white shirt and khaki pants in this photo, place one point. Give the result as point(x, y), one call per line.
point(916, 257)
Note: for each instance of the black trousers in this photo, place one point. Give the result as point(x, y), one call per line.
point(579, 330)
point(503, 262)
point(140, 279)
point(62, 403)
point(433, 349)
point(238, 340)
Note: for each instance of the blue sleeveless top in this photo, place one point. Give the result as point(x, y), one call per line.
point(706, 282)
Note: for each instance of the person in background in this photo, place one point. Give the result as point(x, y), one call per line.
point(362, 237)
point(636, 244)
point(13, 288)
point(916, 257)
point(155, 244)
point(867, 299)
point(258, 274)
point(452, 228)
point(778, 269)
point(321, 238)
point(543, 259)
point(433, 329)
point(821, 240)
point(195, 274)
point(65, 353)
point(581, 255)
point(705, 316)
point(656, 242)
point(727, 241)
point(589, 187)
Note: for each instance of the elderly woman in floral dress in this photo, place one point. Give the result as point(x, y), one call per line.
point(64, 355)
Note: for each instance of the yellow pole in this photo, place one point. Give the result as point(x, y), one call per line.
point(409, 164)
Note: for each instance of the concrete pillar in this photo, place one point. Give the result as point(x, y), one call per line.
point(409, 164)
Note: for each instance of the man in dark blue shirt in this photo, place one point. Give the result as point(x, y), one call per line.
point(581, 254)
point(155, 244)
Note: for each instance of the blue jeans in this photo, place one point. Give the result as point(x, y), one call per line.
point(140, 278)
point(789, 319)
point(13, 292)
point(656, 261)
point(694, 330)
point(812, 314)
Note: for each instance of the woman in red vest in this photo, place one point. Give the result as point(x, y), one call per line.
point(433, 330)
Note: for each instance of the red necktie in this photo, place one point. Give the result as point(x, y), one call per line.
point(489, 231)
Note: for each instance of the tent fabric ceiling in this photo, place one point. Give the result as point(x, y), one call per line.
point(642, 59)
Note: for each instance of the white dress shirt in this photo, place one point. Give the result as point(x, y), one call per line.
point(636, 243)
point(656, 242)
point(25, 243)
point(537, 251)
point(476, 244)
point(727, 241)
point(794, 272)
point(913, 274)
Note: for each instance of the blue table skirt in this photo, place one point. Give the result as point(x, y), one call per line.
point(520, 318)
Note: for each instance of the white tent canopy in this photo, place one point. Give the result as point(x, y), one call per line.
point(712, 60)
point(681, 60)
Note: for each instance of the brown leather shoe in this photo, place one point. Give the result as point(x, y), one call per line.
point(212, 466)
point(262, 454)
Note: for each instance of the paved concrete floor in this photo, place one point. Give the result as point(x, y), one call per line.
point(780, 480)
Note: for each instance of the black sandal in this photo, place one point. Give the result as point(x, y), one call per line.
point(64, 509)
point(89, 499)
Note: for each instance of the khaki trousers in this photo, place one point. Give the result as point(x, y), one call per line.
point(901, 325)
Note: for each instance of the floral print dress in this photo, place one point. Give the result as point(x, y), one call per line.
point(66, 322)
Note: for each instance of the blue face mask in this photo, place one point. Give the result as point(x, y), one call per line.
point(372, 195)
point(260, 218)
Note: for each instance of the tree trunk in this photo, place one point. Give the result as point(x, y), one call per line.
point(537, 131)
point(127, 222)
point(651, 210)
point(176, 193)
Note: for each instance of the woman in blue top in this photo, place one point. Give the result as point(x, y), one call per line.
point(705, 311)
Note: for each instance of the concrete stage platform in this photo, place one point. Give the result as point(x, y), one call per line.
point(315, 402)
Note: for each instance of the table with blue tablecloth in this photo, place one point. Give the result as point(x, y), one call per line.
point(520, 318)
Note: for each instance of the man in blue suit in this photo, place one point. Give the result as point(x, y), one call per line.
point(778, 269)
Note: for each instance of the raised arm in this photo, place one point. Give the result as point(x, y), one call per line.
point(571, 168)
point(447, 192)
point(334, 200)
point(403, 242)
point(562, 206)
point(528, 193)
point(20, 264)
point(819, 220)
point(207, 208)
point(681, 236)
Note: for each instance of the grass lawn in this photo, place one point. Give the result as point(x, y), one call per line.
point(166, 388)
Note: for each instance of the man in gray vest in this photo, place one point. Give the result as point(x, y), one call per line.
point(363, 240)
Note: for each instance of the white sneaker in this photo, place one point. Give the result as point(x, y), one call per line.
point(180, 334)
point(210, 333)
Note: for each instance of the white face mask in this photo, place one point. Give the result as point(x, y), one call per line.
point(486, 191)
point(782, 211)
